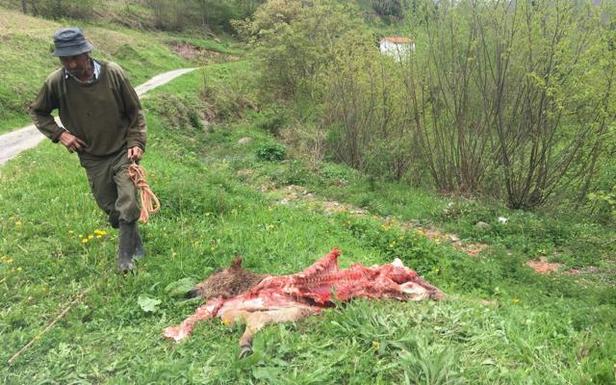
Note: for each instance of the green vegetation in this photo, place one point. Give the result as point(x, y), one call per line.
point(26, 58)
point(512, 102)
point(245, 162)
point(501, 323)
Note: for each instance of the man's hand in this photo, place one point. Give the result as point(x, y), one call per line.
point(71, 142)
point(135, 153)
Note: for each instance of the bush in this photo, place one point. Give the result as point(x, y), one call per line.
point(207, 15)
point(271, 152)
point(294, 40)
point(58, 9)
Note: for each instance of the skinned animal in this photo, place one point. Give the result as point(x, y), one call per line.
point(236, 295)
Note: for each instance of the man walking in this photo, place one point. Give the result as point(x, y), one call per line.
point(104, 124)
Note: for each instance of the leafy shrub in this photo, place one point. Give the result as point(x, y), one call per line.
point(603, 204)
point(271, 152)
point(181, 15)
point(57, 9)
point(388, 8)
point(294, 40)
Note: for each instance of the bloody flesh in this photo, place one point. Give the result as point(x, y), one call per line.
point(292, 297)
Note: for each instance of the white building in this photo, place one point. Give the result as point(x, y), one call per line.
point(398, 47)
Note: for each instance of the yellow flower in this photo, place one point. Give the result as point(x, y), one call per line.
point(99, 236)
point(90, 236)
point(84, 240)
point(18, 223)
point(515, 300)
point(100, 232)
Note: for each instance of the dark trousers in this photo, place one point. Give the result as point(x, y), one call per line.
point(113, 190)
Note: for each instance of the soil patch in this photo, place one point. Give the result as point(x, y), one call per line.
point(542, 266)
point(293, 193)
point(200, 55)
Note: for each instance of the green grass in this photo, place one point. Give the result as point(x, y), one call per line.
point(501, 323)
point(25, 49)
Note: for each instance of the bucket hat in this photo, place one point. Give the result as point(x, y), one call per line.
point(70, 42)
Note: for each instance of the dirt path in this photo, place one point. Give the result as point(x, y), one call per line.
point(15, 142)
point(293, 193)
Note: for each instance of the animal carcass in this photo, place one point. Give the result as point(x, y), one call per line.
point(236, 295)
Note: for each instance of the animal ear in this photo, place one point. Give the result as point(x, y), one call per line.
point(237, 263)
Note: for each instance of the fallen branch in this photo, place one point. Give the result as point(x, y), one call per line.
point(59, 317)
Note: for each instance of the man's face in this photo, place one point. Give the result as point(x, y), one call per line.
point(77, 65)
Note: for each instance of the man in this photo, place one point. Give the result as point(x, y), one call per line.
point(104, 124)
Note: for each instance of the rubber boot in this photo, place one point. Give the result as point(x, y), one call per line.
point(114, 219)
point(126, 247)
point(139, 252)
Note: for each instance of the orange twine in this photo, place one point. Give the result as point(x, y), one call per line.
point(149, 202)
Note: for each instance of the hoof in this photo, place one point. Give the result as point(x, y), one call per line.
point(245, 351)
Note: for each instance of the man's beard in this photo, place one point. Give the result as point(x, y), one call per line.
point(79, 72)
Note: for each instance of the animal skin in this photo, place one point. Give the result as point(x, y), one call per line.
point(237, 295)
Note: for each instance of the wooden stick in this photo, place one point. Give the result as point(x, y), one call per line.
point(58, 318)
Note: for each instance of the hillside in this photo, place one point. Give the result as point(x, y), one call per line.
point(26, 59)
point(530, 297)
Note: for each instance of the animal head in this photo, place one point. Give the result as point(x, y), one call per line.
point(226, 283)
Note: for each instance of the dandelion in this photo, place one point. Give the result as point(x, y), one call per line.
point(90, 237)
point(100, 232)
point(99, 236)
point(18, 223)
point(84, 240)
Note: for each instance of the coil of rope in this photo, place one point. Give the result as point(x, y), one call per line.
point(149, 202)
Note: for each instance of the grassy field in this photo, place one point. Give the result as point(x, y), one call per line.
point(26, 44)
point(501, 322)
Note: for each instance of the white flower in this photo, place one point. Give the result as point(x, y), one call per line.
point(502, 220)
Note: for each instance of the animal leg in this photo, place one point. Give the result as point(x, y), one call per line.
point(257, 320)
point(184, 329)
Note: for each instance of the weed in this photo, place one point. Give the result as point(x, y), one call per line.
point(271, 152)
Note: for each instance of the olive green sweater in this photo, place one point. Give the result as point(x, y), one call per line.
point(106, 114)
